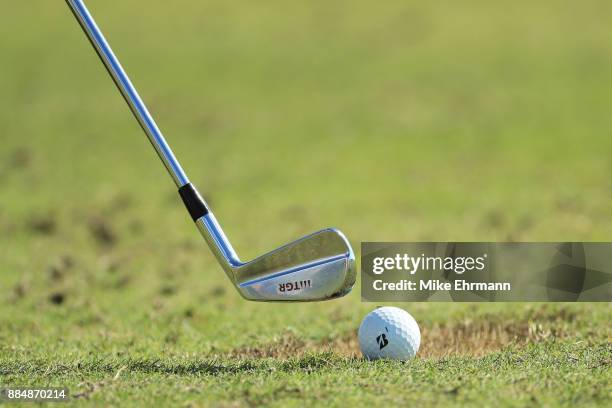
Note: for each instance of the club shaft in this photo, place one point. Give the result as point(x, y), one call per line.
point(128, 91)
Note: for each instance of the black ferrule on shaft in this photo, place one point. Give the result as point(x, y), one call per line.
point(193, 201)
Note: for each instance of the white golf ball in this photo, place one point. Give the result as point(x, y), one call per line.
point(389, 332)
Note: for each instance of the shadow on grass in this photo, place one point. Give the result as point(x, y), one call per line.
point(212, 367)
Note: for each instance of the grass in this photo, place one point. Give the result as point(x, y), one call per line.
point(400, 121)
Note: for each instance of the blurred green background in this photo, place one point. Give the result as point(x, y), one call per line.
point(393, 121)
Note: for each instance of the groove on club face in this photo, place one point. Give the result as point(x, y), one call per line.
point(319, 266)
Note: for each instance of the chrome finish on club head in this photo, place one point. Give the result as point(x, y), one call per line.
point(316, 267)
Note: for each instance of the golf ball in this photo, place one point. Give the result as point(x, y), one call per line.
point(389, 332)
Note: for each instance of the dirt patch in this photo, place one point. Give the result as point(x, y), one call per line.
point(57, 298)
point(19, 290)
point(43, 225)
point(217, 292)
point(102, 232)
point(21, 158)
point(167, 290)
point(468, 338)
point(479, 338)
point(119, 203)
point(60, 267)
point(550, 314)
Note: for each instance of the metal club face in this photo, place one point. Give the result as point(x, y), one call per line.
point(319, 266)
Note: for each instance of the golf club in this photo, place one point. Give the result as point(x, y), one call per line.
point(319, 266)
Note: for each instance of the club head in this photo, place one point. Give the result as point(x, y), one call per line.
point(316, 267)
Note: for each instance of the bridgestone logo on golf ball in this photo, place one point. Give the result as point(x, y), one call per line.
point(382, 341)
point(294, 286)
